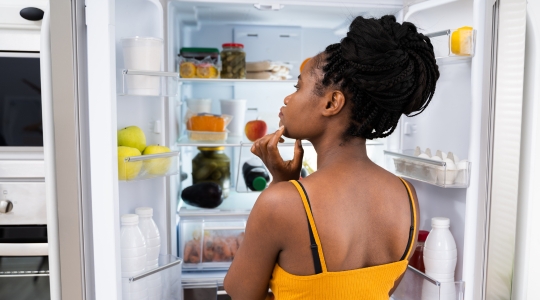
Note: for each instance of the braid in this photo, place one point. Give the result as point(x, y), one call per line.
point(387, 69)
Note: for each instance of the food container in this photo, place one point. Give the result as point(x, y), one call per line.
point(212, 165)
point(207, 136)
point(233, 61)
point(210, 242)
point(199, 63)
point(207, 122)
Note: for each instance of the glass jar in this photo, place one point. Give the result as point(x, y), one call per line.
point(212, 165)
point(417, 259)
point(233, 61)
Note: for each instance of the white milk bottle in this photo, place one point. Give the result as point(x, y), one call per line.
point(440, 258)
point(153, 243)
point(133, 255)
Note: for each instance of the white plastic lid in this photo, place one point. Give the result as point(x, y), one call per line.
point(440, 222)
point(144, 211)
point(130, 219)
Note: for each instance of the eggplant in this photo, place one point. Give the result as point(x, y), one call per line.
point(203, 194)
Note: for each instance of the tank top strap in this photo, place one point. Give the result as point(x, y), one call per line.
point(316, 247)
point(412, 230)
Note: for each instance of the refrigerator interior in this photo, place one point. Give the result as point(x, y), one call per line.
point(295, 32)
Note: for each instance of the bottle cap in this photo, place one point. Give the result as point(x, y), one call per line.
point(130, 219)
point(144, 211)
point(440, 222)
point(259, 183)
point(422, 235)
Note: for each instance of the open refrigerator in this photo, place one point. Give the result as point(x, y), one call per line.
point(462, 118)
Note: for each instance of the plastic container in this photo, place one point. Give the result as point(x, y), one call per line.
point(233, 61)
point(237, 109)
point(200, 53)
point(255, 174)
point(198, 106)
point(440, 252)
point(210, 242)
point(132, 243)
point(150, 233)
point(212, 165)
point(143, 54)
point(207, 136)
point(417, 259)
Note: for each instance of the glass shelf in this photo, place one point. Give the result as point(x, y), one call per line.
point(161, 282)
point(416, 285)
point(431, 171)
point(149, 166)
point(232, 82)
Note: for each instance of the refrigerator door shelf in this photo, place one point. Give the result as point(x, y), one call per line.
point(148, 166)
point(434, 172)
point(453, 42)
point(416, 285)
point(149, 83)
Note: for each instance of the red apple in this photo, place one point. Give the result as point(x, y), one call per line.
point(255, 130)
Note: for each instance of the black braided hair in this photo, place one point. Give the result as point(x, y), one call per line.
point(386, 69)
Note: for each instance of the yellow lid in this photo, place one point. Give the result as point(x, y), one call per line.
point(211, 148)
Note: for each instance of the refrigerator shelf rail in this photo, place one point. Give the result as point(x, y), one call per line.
point(434, 172)
point(233, 82)
point(24, 273)
point(149, 166)
point(417, 285)
point(162, 282)
point(458, 42)
point(149, 83)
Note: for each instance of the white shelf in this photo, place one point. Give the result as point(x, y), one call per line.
point(453, 59)
point(237, 203)
point(232, 81)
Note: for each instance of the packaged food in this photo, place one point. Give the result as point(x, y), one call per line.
point(462, 41)
point(207, 136)
point(212, 165)
point(199, 63)
point(208, 122)
point(218, 246)
point(268, 70)
point(233, 61)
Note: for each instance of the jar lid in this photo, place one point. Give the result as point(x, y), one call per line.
point(259, 183)
point(422, 235)
point(211, 148)
point(232, 45)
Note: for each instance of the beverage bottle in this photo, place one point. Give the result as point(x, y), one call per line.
point(417, 259)
point(255, 174)
point(440, 258)
point(150, 233)
point(133, 256)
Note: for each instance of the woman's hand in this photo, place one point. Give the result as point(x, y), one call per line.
point(267, 149)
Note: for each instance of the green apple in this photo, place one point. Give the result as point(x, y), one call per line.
point(157, 166)
point(132, 136)
point(128, 170)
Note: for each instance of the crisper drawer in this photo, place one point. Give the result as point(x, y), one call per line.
point(210, 242)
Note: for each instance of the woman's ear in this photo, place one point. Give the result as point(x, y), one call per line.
point(334, 104)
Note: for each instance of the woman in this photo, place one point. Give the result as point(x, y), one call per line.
point(351, 238)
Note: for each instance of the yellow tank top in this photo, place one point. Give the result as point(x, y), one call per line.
point(371, 283)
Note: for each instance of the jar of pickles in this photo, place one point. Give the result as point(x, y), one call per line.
point(233, 61)
point(212, 165)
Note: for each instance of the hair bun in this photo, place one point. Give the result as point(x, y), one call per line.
point(388, 66)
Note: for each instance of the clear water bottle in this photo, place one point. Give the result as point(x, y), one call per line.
point(255, 174)
point(133, 256)
point(153, 244)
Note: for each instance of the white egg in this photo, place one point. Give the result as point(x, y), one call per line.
point(423, 155)
point(450, 165)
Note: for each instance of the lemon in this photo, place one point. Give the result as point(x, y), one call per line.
point(187, 70)
point(461, 41)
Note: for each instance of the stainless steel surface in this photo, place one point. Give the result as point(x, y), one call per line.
point(159, 269)
point(24, 249)
point(66, 147)
point(438, 33)
point(22, 169)
point(23, 273)
point(6, 206)
point(28, 203)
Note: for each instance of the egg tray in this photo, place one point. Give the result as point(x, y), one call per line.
point(429, 171)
